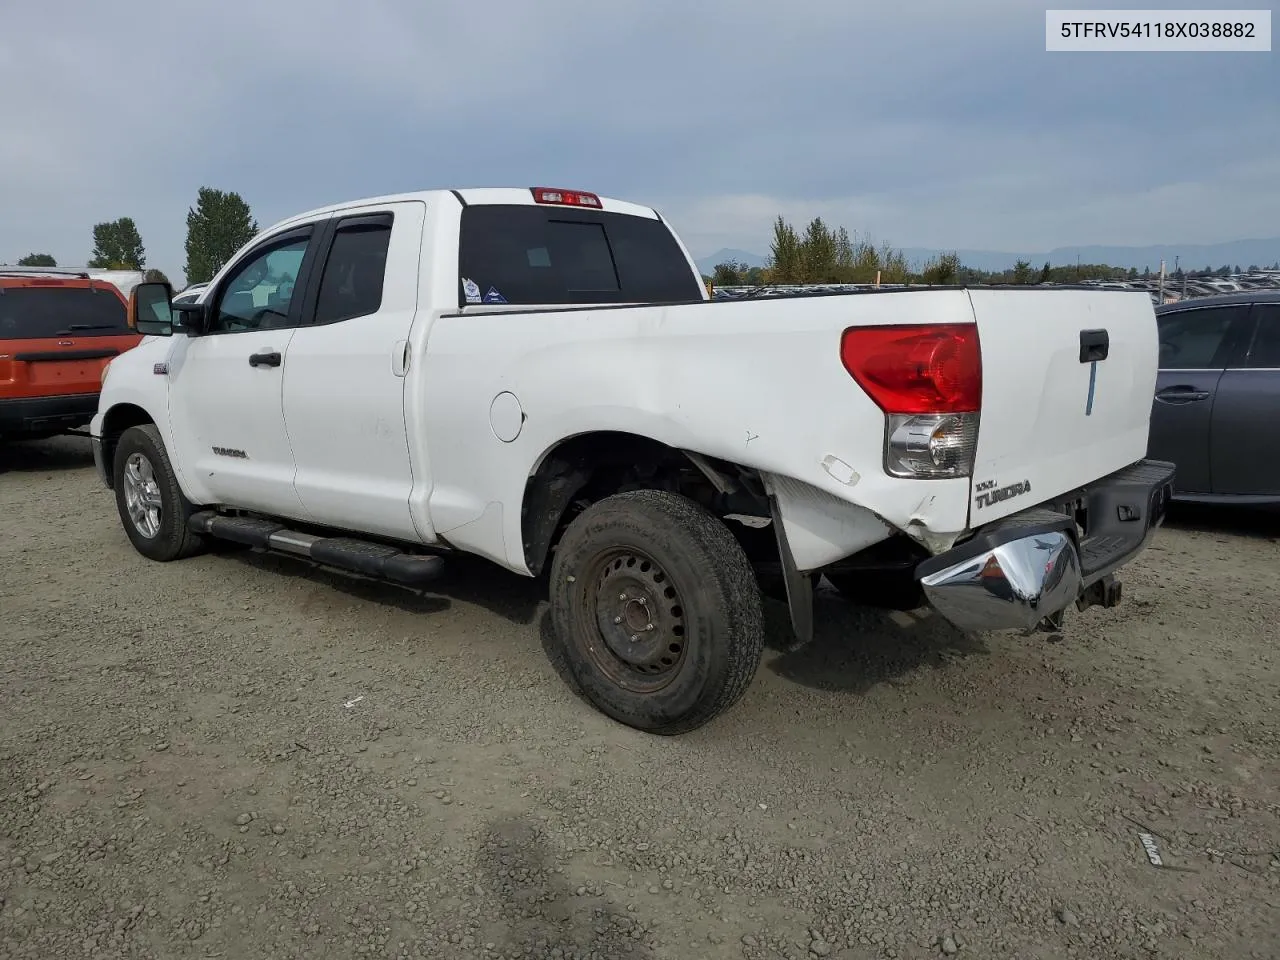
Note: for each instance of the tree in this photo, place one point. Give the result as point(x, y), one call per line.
point(943, 270)
point(727, 274)
point(1045, 273)
point(818, 253)
point(38, 260)
point(155, 276)
point(117, 245)
point(218, 226)
point(1022, 273)
point(785, 263)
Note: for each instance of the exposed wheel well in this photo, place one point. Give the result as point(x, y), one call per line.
point(589, 467)
point(117, 420)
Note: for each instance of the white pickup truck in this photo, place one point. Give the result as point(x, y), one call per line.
point(537, 377)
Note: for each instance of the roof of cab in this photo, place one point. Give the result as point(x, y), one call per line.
point(468, 196)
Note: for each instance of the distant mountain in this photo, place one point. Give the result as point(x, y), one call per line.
point(1191, 256)
point(708, 264)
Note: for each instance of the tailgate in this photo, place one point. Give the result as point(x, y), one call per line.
point(1067, 383)
point(47, 368)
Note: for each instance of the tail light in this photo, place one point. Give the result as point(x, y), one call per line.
point(927, 378)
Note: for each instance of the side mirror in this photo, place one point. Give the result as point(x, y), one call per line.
point(151, 309)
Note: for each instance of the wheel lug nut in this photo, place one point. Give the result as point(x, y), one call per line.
point(622, 596)
point(617, 619)
point(649, 627)
point(635, 638)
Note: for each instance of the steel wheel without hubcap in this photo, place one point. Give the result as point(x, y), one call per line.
point(656, 609)
point(635, 610)
point(142, 495)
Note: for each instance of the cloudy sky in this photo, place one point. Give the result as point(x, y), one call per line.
point(924, 123)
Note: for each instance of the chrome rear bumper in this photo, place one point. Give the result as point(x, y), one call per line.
point(1026, 569)
point(1011, 586)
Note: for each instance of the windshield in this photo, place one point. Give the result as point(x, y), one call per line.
point(37, 313)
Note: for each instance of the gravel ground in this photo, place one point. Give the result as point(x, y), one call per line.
point(245, 756)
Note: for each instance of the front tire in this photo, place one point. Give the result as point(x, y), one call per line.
point(152, 508)
point(657, 609)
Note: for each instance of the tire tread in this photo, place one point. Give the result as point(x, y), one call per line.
point(727, 575)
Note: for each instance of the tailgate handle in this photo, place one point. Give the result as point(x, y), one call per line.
point(1094, 345)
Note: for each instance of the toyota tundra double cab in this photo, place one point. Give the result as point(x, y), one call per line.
point(539, 377)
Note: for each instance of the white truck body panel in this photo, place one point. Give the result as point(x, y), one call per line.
point(723, 379)
point(1040, 427)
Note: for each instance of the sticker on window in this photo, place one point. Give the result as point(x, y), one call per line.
point(538, 257)
point(471, 290)
point(493, 296)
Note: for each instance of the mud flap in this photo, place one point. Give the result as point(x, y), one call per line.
point(799, 585)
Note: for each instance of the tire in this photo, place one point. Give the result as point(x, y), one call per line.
point(694, 604)
point(156, 524)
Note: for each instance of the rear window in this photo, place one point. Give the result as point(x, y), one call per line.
point(554, 255)
point(36, 313)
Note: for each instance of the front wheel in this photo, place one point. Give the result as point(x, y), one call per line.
point(151, 505)
point(657, 609)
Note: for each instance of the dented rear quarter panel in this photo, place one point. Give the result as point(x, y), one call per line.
point(758, 383)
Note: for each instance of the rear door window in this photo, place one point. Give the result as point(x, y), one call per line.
point(41, 313)
point(1265, 352)
point(1198, 339)
point(540, 255)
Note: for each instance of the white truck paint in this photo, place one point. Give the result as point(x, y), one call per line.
point(435, 421)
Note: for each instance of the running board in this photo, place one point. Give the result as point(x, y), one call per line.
point(346, 553)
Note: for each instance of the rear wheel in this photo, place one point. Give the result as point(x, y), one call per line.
point(151, 505)
point(657, 609)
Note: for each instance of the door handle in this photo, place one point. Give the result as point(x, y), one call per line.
point(1182, 394)
point(270, 358)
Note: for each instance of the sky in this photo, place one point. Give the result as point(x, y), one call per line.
point(920, 123)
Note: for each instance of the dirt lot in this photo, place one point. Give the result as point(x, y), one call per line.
point(244, 756)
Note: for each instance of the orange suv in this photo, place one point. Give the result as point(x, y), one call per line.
point(58, 331)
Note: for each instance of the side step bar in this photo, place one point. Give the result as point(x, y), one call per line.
point(357, 556)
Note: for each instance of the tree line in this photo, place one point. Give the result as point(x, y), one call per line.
point(822, 255)
point(218, 225)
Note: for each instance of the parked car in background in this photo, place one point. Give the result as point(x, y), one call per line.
point(191, 294)
point(58, 331)
point(1218, 397)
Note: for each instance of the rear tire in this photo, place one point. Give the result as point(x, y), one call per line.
point(152, 508)
point(657, 610)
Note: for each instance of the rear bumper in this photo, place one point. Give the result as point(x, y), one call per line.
point(1018, 572)
point(35, 415)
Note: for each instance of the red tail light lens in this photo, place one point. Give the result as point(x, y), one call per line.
point(916, 368)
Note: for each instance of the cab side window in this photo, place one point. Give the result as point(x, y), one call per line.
point(355, 269)
point(259, 293)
